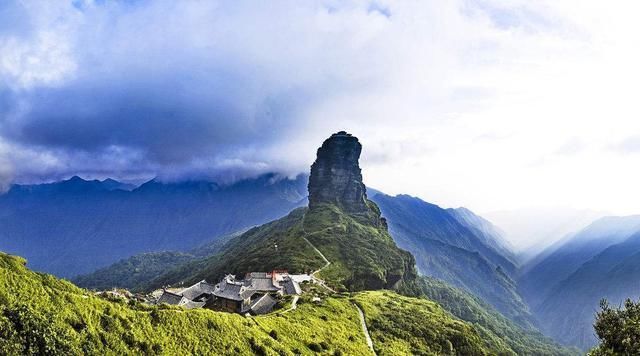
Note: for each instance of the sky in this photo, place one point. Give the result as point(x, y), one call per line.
point(493, 105)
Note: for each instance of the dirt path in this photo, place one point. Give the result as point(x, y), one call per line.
point(294, 305)
point(326, 261)
point(363, 322)
point(365, 330)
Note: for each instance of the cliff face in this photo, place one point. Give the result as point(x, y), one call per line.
point(336, 177)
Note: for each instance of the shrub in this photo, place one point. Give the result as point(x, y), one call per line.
point(315, 347)
point(257, 348)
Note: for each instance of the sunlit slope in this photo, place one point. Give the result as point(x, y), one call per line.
point(362, 253)
point(40, 314)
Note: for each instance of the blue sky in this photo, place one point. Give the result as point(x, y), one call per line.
point(488, 104)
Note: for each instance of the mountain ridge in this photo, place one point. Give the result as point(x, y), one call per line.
point(449, 250)
point(76, 226)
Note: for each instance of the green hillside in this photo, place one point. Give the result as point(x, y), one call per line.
point(397, 326)
point(40, 314)
point(362, 253)
point(135, 273)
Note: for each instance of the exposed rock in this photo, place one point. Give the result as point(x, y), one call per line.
point(336, 177)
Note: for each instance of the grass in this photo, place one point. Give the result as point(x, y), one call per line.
point(40, 314)
point(401, 325)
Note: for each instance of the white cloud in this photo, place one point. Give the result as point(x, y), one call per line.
point(473, 103)
point(45, 61)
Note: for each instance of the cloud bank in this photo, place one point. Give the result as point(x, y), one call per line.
point(474, 103)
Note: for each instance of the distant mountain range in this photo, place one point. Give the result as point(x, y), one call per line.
point(565, 284)
point(531, 230)
point(458, 247)
point(76, 226)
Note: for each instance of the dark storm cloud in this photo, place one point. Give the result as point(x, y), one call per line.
point(173, 85)
point(170, 119)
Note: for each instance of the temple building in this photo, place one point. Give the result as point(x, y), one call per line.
point(256, 294)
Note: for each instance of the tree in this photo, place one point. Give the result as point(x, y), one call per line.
point(618, 329)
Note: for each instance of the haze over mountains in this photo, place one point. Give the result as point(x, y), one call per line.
point(75, 226)
point(114, 234)
point(531, 230)
point(565, 284)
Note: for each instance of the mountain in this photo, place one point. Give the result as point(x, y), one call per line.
point(134, 271)
point(490, 323)
point(76, 226)
point(562, 259)
point(138, 271)
point(490, 234)
point(112, 184)
point(565, 285)
point(613, 274)
point(532, 230)
point(341, 225)
point(458, 247)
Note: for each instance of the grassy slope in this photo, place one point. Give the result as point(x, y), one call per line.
point(363, 254)
point(253, 251)
point(397, 326)
point(40, 314)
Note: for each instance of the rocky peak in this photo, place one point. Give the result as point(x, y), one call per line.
point(336, 177)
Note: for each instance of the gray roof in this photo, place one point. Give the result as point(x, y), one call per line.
point(192, 305)
point(258, 275)
point(261, 283)
point(231, 289)
point(290, 286)
point(263, 305)
point(170, 298)
point(198, 290)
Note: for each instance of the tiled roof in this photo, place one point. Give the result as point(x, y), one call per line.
point(256, 282)
point(263, 305)
point(169, 298)
point(231, 289)
point(259, 275)
point(192, 305)
point(198, 290)
point(290, 286)
point(262, 284)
